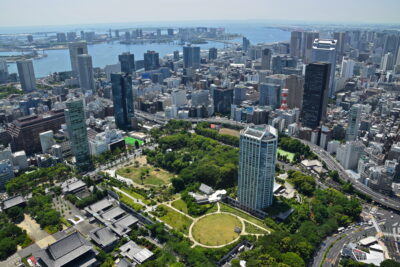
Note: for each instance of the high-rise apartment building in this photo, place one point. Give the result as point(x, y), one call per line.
point(151, 60)
point(127, 61)
point(353, 122)
point(85, 72)
point(191, 57)
point(325, 51)
point(258, 148)
point(315, 96)
point(341, 40)
point(269, 94)
point(26, 75)
point(77, 132)
point(347, 69)
point(75, 49)
point(122, 99)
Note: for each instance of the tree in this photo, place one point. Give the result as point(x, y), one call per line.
point(7, 247)
point(178, 184)
point(390, 263)
point(292, 259)
point(16, 214)
point(136, 144)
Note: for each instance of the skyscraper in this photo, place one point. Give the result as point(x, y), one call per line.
point(341, 38)
point(151, 60)
point(191, 57)
point(295, 43)
point(75, 49)
point(266, 59)
point(295, 85)
point(26, 75)
point(77, 132)
point(325, 51)
point(258, 148)
point(388, 62)
point(3, 71)
point(85, 72)
point(212, 53)
point(307, 44)
point(353, 122)
point(315, 96)
point(246, 44)
point(127, 61)
point(122, 99)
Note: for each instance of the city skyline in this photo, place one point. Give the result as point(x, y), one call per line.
point(94, 12)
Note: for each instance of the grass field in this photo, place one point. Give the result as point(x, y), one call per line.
point(229, 132)
point(176, 220)
point(251, 229)
point(216, 229)
point(180, 205)
point(242, 214)
point(154, 177)
point(131, 141)
point(289, 155)
point(128, 201)
point(136, 195)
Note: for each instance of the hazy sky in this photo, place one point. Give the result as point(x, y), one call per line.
point(62, 12)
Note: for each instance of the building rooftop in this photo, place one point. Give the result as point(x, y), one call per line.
point(74, 250)
point(13, 201)
point(134, 252)
point(103, 236)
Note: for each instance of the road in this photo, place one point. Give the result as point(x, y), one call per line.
point(337, 242)
point(334, 165)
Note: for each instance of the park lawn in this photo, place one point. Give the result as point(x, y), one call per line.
point(180, 205)
point(131, 141)
point(135, 195)
point(216, 229)
point(226, 208)
point(156, 176)
point(128, 201)
point(289, 155)
point(251, 229)
point(176, 220)
point(229, 132)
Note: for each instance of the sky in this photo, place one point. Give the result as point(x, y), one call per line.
point(18, 13)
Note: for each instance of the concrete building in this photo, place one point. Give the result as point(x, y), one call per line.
point(325, 51)
point(75, 49)
point(295, 43)
point(295, 85)
point(85, 72)
point(269, 95)
point(354, 120)
point(258, 150)
point(25, 131)
point(266, 55)
point(26, 75)
point(178, 98)
point(46, 140)
point(239, 94)
point(76, 126)
point(348, 154)
point(347, 68)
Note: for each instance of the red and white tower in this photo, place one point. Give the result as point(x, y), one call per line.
point(284, 95)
